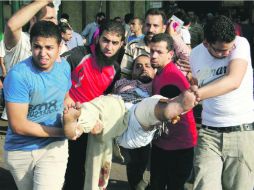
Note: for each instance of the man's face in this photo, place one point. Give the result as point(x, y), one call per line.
point(135, 26)
point(191, 14)
point(110, 43)
point(143, 70)
point(49, 14)
point(220, 50)
point(154, 25)
point(67, 35)
point(44, 51)
point(100, 19)
point(160, 55)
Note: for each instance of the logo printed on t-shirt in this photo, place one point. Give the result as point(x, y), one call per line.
point(209, 75)
point(42, 109)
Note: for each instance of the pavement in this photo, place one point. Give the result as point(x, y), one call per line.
point(118, 178)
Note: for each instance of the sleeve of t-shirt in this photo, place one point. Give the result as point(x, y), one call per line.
point(68, 73)
point(192, 65)
point(80, 40)
point(178, 78)
point(86, 30)
point(2, 51)
point(16, 89)
point(135, 136)
point(183, 82)
point(75, 56)
point(242, 49)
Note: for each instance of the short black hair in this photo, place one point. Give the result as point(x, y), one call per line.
point(45, 29)
point(141, 55)
point(128, 17)
point(155, 11)
point(113, 26)
point(65, 16)
point(219, 29)
point(116, 18)
point(165, 38)
point(100, 14)
point(140, 20)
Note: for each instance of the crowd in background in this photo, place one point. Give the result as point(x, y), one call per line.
point(167, 55)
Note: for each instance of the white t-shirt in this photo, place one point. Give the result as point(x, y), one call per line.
point(2, 51)
point(18, 53)
point(235, 107)
point(134, 136)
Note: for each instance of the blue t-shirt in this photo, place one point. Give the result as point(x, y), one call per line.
point(133, 37)
point(44, 92)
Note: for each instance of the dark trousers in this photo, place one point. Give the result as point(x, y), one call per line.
point(75, 172)
point(2, 96)
point(170, 169)
point(136, 167)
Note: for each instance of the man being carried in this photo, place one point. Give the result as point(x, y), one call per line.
point(132, 126)
point(145, 115)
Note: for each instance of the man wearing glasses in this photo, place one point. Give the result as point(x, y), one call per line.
point(221, 53)
point(222, 66)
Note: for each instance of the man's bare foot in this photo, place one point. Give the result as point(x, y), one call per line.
point(187, 99)
point(167, 109)
point(70, 118)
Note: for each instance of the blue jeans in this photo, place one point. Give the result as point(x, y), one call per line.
point(224, 160)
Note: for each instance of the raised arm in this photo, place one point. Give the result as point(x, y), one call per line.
point(14, 25)
point(17, 118)
point(182, 50)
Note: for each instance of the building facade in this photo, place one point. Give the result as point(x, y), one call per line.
point(83, 12)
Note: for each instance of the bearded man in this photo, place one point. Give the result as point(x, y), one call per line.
point(94, 70)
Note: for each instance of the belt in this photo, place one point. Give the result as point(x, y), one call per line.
point(242, 127)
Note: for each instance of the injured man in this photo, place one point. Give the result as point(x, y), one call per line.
point(132, 125)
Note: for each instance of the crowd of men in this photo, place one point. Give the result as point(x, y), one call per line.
point(70, 101)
